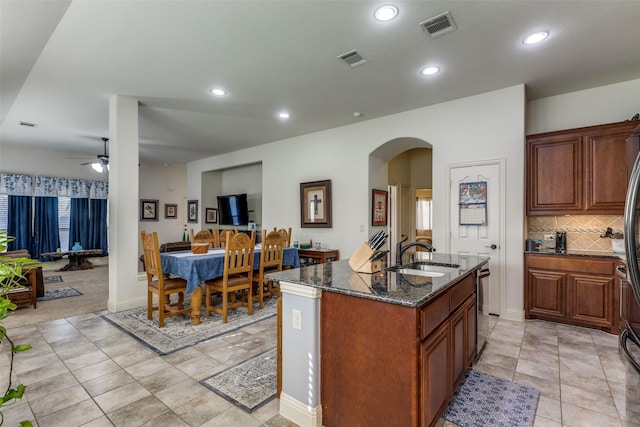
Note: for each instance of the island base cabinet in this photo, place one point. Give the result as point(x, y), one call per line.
point(369, 362)
point(385, 364)
point(436, 369)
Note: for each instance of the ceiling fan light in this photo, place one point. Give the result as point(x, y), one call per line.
point(97, 167)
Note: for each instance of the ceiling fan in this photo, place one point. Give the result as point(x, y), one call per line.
point(102, 160)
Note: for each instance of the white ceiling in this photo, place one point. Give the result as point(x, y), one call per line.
point(61, 61)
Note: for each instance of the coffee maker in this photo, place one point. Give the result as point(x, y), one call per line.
point(561, 242)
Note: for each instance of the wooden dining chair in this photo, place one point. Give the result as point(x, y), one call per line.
point(286, 235)
point(224, 234)
point(237, 277)
point(205, 236)
point(271, 252)
point(161, 284)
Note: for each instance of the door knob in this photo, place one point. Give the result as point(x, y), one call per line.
point(494, 246)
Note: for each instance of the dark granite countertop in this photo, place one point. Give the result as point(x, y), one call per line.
point(588, 254)
point(387, 286)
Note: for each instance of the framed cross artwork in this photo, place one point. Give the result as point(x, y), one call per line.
point(315, 204)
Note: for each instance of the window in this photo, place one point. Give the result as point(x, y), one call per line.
point(424, 209)
point(4, 211)
point(64, 214)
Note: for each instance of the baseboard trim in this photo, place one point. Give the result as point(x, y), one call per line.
point(300, 413)
point(513, 314)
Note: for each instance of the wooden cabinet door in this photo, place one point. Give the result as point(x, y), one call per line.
point(590, 299)
point(606, 170)
point(436, 373)
point(546, 294)
point(472, 320)
point(554, 174)
point(459, 328)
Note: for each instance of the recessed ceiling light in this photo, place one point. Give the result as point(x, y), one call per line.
point(429, 71)
point(386, 13)
point(28, 124)
point(218, 92)
point(357, 114)
point(535, 38)
point(284, 115)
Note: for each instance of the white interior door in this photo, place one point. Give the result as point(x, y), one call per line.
point(486, 239)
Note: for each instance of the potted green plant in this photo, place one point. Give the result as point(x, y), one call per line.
point(11, 272)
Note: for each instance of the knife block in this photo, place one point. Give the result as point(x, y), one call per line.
point(361, 262)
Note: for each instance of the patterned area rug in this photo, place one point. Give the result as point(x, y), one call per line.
point(248, 385)
point(65, 292)
point(179, 332)
point(52, 279)
point(484, 400)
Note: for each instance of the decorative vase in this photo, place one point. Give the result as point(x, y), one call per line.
point(76, 247)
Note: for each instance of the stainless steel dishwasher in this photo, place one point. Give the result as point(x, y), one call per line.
point(482, 323)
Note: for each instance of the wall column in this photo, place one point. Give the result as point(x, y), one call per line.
point(125, 291)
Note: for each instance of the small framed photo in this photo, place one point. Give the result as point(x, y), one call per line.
point(170, 211)
point(148, 210)
point(211, 215)
point(315, 204)
point(192, 211)
point(379, 207)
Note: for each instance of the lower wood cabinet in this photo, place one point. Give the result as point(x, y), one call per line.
point(576, 290)
point(385, 364)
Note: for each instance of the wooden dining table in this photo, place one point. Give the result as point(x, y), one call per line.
point(196, 268)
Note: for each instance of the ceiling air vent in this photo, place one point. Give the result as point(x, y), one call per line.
point(353, 58)
point(439, 25)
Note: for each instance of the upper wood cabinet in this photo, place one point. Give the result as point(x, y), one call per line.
point(580, 171)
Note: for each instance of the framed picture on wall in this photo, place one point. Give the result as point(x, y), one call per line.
point(211, 215)
point(192, 211)
point(148, 210)
point(379, 207)
point(315, 204)
point(170, 211)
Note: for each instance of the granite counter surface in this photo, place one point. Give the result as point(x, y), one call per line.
point(585, 254)
point(387, 286)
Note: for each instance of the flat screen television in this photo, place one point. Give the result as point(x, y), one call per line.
point(233, 209)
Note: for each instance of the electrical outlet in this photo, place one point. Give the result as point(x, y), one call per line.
point(549, 237)
point(297, 319)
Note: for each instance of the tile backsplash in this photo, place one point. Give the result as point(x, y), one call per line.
point(583, 231)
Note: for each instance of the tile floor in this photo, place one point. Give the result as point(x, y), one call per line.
point(82, 371)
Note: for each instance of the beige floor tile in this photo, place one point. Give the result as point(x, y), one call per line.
point(549, 409)
point(201, 367)
point(167, 419)
point(147, 367)
point(121, 396)
point(202, 409)
point(78, 414)
point(183, 355)
point(85, 360)
point(51, 385)
point(602, 403)
point(133, 356)
point(96, 370)
point(52, 369)
point(16, 412)
point(502, 349)
point(180, 393)
point(107, 382)
point(540, 370)
point(575, 416)
point(22, 364)
point(584, 381)
point(99, 422)
point(139, 412)
point(54, 402)
point(496, 371)
point(280, 421)
point(233, 416)
point(544, 422)
point(550, 389)
point(161, 380)
point(268, 411)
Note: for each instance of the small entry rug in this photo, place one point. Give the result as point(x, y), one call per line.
point(179, 332)
point(65, 292)
point(248, 385)
point(484, 400)
point(52, 279)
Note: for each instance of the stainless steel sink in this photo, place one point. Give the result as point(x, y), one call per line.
point(416, 272)
point(425, 269)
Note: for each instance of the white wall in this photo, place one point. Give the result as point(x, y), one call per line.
point(600, 105)
point(486, 126)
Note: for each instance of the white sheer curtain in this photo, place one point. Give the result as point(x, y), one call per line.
point(423, 213)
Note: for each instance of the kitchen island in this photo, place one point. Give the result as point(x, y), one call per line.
point(376, 349)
